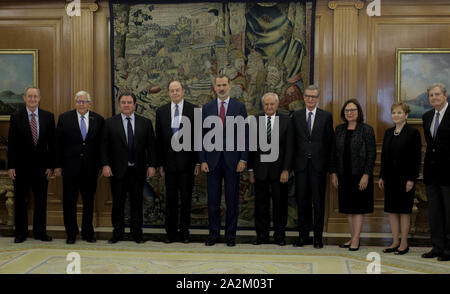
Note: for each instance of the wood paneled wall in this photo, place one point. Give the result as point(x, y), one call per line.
point(73, 56)
point(354, 58)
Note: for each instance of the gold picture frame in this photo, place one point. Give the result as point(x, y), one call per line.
point(416, 69)
point(18, 70)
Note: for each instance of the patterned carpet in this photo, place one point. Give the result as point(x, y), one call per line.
point(152, 257)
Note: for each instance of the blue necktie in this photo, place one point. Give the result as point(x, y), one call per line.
point(83, 128)
point(176, 118)
point(130, 141)
point(309, 122)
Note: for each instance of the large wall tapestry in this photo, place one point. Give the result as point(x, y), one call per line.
point(262, 47)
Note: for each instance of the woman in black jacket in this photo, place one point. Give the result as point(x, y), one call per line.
point(352, 168)
point(400, 164)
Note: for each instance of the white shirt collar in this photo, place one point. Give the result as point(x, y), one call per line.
point(313, 111)
point(86, 115)
point(442, 112)
point(30, 112)
point(180, 104)
point(124, 117)
point(226, 100)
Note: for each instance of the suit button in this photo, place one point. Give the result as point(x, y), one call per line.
point(81, 154)
point(84, 144)
point(434, 150)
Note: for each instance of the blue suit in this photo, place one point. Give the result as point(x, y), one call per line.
point(223, 165)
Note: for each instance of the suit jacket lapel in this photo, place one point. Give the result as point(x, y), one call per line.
point(76, 124)
point(26, 122)
point(444, 118)
point(120, 127)
point(317, 119)
point(303, 122)
point(92, 123)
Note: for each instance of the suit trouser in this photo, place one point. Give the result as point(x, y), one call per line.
point(214, 181)
point(133, 184)
point(439, 217)
point(72, 186)
point(178, 183)
point(38, 182)
point(310, 187)
point(264, 190)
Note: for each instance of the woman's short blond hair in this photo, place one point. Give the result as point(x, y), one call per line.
point(404, 106)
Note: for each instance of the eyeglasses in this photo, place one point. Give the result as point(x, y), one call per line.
point(350, 110)
point(310, 97)
point(82, 101)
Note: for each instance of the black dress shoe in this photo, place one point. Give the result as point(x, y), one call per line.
point(19, 240)
point(114, 240)
point(70, 241)
point(44, 238)
point(430, 254)
point(139, 240)
point(280, 242)
point(211, 242)
point(390, 249)
point(344, 245)
point(231, 243)
point(318, 245)
point(401, 252)
point(186, 240)
point(168, 241)
point(444, 257)
point(301, 242)
point(90, 240)
point(354, 249)
point(260, 241)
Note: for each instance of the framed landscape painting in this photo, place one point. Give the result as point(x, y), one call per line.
point(18, 70)
point(416, 69)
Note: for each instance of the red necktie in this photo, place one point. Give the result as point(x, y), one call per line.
point(33, 126)
point(222, 113)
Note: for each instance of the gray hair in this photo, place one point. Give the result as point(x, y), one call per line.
point(270, 94)
point(32, 87)
point(313, 88)
point(434, 85)
point(83, 93)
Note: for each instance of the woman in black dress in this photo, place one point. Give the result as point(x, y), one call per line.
point(352, 168)
point(400, 164)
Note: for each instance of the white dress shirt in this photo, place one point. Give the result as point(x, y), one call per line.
point(180, 113)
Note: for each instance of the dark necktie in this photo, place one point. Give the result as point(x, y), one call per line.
point(33, 125)
point(222, 113)
point(436, 124)
point(130, 141)
point(176, 118)
point(269, 130)
point(310, 122)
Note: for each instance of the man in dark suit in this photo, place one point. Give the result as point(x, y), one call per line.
point(31, 163)
point(178, 168)
point(314, 137)
point(128, 156)
point(78, 137)
point(436, 172)
point(226, 164)
point(271, 177)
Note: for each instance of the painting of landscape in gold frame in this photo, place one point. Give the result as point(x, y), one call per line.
point(18, 70)
point(416, 69)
